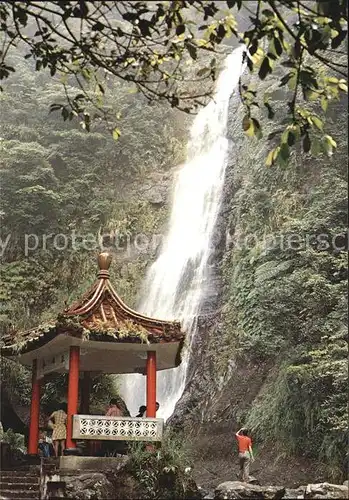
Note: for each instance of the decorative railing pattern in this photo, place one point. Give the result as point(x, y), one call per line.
point(117, 428)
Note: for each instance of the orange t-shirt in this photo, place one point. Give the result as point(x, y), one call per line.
point(243, 443)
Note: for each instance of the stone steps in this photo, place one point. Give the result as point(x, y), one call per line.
point(20, 484)
point(19, 479)
point(17, 493)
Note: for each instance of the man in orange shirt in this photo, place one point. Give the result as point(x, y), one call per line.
point(245, 453)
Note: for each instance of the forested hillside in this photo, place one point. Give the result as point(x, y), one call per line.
point(68, 193)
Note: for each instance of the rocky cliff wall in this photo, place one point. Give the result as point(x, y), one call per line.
point(247, 348)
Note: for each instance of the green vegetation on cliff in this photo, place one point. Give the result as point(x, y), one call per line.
point(286, 282)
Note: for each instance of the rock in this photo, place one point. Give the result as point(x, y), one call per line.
point(89, 486)
point(293, 493)
point(346, 483)
point(326, 490)
point(206, 493)
point(253, 480)
point(157, 196)
point(237, 489)
point(172, 484)
point(209, 495)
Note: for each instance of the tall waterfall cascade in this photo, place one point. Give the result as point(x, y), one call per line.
point(175, 284)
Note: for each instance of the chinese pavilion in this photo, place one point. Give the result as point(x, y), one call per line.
point(97, 334)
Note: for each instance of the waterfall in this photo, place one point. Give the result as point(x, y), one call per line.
point(175, 284)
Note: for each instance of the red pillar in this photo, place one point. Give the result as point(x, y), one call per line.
point(151, 384)
point(34, 412)
point(73, 393)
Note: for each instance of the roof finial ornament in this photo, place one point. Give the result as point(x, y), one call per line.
point(104, 260)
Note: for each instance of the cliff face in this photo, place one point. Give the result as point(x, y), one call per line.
point(274, 320)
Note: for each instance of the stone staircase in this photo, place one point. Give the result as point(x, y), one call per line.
point(20, 484)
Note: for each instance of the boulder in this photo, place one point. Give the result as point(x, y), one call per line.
point(326, 490)
point(346, 483)
point(237, 489)
point(89, 486)
point(294, 493)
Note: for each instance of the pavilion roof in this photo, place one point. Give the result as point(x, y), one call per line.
point(99, 315)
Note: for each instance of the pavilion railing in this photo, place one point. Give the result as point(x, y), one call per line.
point(117, 428)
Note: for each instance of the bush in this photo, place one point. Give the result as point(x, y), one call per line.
point(15, 440)
point(165, 472)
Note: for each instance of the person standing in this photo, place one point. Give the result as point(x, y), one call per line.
point(110, 448)
point(114, 409)
point(141, 411)
point(245, 453)
point(59, 425)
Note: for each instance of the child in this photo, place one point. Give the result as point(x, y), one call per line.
point(44, 446)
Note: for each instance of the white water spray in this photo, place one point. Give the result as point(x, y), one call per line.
point(175, 284)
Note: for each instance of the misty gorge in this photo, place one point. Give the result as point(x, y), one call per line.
point(215, 185)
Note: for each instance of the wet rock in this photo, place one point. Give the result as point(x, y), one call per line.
point(239, 490)
point(326, 490)
point(89, 486)
point(294, 493)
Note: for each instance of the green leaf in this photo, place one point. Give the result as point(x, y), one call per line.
point(317, 122)
point(275, 47)
point(331, 141)
point(284, 136)
point(144, 27)
point(284, 152)
point(98, 26)
point(180, 29)
point(246, 123)
point(292, 81)
point(257, 131)
point(324, 103)
point(265, 68)
point(271, 112)
point(291, 138)
point(272, 156)
point(343, 86)
point(269, 160)
point(116, 134)
point(250, 131)
point(192, 49)
point(306, 143)
point(268, 13)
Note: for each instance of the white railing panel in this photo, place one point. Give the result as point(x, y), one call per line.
point(98, 427)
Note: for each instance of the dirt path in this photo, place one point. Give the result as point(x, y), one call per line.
point(215, 459)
